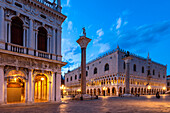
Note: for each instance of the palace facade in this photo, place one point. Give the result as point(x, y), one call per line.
point(30, 51)
point(106, 75)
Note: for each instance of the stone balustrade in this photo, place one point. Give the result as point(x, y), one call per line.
point(25, 50)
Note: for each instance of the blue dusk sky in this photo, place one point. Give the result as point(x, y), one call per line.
point(138, 26)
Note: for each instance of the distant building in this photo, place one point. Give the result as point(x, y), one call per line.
point(30, 51)
point(168, 83)
point(106, 75)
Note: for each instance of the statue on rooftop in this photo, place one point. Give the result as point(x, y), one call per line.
point(84, 31)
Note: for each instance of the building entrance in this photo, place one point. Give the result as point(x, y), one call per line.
point(15, 87)
point(41, 88)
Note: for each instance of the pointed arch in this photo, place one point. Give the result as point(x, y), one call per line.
point(106, 67)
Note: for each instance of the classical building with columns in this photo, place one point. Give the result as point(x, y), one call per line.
point(30, 51)
point(106, 75)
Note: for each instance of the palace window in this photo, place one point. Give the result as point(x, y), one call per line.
point(17, 31)
point(86, 73)
point(75, 77)
point(134, 67)
point(95, 70)
point(143, 69)
point(67, 79)
point(124, 65)
point(80, 76)
point(70, 78)
point(106, 67)
point(153, 72)
point(42, 39)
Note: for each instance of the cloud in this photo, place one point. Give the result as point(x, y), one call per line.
point(103, 47)
point(119, 22)
point(100, 33)
point(70, 25)
point(67, 4)
point(144, 36)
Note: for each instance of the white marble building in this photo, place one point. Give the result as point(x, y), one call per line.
point(30, 50)
point(106, 75)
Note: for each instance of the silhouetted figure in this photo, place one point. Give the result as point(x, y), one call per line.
point(157, 95)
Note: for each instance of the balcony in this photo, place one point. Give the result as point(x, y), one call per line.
point(28, 51)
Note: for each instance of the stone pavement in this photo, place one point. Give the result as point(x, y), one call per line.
point(142, 104)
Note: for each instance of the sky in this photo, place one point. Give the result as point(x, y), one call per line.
point(139, 26)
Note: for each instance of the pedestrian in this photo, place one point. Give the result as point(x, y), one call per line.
point(157, 95)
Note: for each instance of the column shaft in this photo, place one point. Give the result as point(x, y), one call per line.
point(127, 78)
point(58, 51)
point(30, 95)
point(58, 84)
point(26, 92)
point(53, 87)
point(49, 91)
point(1, 84)
point(53, 42)
point(2, 24)
point(83, 71)
point(31, 37)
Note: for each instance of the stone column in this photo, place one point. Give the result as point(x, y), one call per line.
point(26, 92)
point(58, 49)
point(83, 42)
point(48, 44)
point(9, 32)
point(31, 36)
point(127, 71)
point(1, 84)
point(53, 41)
point(49, 91)
point(58, 84)
point(36, 40)
point(2, 24)
point(110, 91)
point(30, 88)
point(53, 87)
point(5, 90)
point(24, 29)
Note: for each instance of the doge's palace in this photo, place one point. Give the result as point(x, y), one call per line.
point(30, 51)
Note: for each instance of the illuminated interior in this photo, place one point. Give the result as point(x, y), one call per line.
point(41, 88)
point(15, 87)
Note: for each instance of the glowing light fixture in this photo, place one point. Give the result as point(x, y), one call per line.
point(164, 88)
point(79, 90)
point(149, 87)
point(42, 78)
point(15, 79)
point(104, 88)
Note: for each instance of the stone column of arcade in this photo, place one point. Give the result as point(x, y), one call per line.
point(83, 42)
point(127, 60)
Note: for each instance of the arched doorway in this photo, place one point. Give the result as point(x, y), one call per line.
point(17, 31)
point(94, 91)
point(87, 91)
point(41, 87)
point(124, 90)
point(132, 90)
point(113, 91)
point(108, 92)
point(42, 39)
point(98, 91)
point(16, 87)
point(91, 91)
point(120, 90)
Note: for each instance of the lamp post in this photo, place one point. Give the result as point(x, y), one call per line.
point(149, 88)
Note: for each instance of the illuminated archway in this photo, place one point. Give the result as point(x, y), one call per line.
point(41, 87)
point(16, 86)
